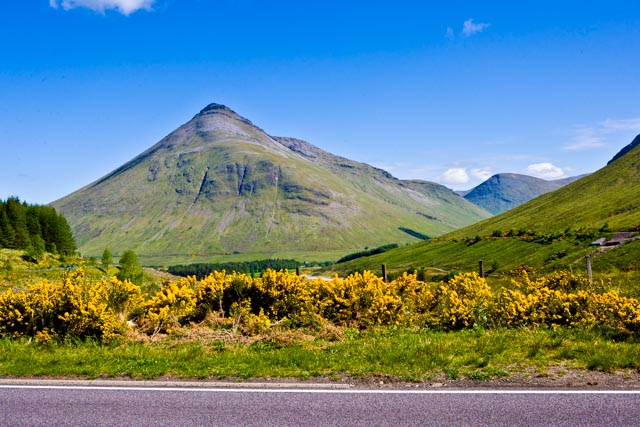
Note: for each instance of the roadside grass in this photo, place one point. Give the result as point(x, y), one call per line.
point(396, 354)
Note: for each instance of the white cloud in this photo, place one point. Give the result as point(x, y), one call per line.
point(589, 137)
point(126, 7)
point(481, 174)
point(454, 176)
point(545, 171)
point(470, 28)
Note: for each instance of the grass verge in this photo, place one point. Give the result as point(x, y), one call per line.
point(396, 354)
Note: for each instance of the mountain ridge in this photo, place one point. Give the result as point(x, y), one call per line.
point(553, 231)
point(220, 184)
point(505, 191)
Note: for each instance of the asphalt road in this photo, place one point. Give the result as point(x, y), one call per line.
point(142, 406)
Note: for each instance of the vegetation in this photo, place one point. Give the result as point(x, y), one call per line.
point(414, 233)
point(382, 353)
point(107, 259)
point(201, 270)
point(251, 305)
point(34, 228)
point(282, 325)
point(367, 252)
point(130, 268)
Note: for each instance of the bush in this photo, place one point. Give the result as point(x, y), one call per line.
point(77, 308)
point(72, 309)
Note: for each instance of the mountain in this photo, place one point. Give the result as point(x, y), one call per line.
point(609, 195)
point(505, 191)
point(625, 150)
point(221, 185)
point(551, 231)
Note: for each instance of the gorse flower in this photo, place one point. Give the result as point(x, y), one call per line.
point(80, 309)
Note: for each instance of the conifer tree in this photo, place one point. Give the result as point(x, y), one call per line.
point(18, 219)
point(7, 234)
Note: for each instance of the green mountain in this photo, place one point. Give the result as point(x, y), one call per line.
point(551, 231)
point(505, 191)
point(221, 185)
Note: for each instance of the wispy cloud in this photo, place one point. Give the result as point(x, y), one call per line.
point(470, 28)
point(585, 138)
point(589, 137)
point(621, 125)
point(481, 174)
point(545, 170)
point(126, 7)
point(454, 176)
point(450, 34)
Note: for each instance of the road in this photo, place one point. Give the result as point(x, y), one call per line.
point(170, 406)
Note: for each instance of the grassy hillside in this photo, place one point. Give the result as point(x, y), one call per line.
point(505, 191)
point(550, 232)
point(221, 186)
point(609, 196)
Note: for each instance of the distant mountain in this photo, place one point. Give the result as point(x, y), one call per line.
point(505, 191)
point(220, 184)
point(560, 225)
point(609, 196)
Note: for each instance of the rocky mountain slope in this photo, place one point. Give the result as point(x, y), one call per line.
point(220, 184)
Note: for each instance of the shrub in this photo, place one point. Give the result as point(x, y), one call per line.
point(74, 308)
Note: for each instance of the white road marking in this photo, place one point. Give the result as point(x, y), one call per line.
point(323, 391)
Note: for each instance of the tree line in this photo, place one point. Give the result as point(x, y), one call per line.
point(35, 228)
point(248, 267)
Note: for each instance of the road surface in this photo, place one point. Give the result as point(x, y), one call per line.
point(52, 405)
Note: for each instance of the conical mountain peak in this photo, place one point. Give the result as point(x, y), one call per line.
point(213, 107)
point(218, 184)
point(222, 111)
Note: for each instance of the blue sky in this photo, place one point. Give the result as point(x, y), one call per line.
point(445, 91)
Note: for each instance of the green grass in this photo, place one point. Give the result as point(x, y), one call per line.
point(395, 354)
point(453, 256)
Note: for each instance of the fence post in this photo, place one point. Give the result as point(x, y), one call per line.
point(384, 273)
point(481, 268)
point(589, 272)
point(297, 271)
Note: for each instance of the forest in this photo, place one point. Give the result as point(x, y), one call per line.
point(34, 228)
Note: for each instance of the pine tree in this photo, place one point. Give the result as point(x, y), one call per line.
point(7, 234)
point(64, 242)
point(18, 220)
point(21, 225)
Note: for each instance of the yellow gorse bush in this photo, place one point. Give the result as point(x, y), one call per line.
point(78, 308)
point(74, 308)
point(173, 305)
point(461, 303)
